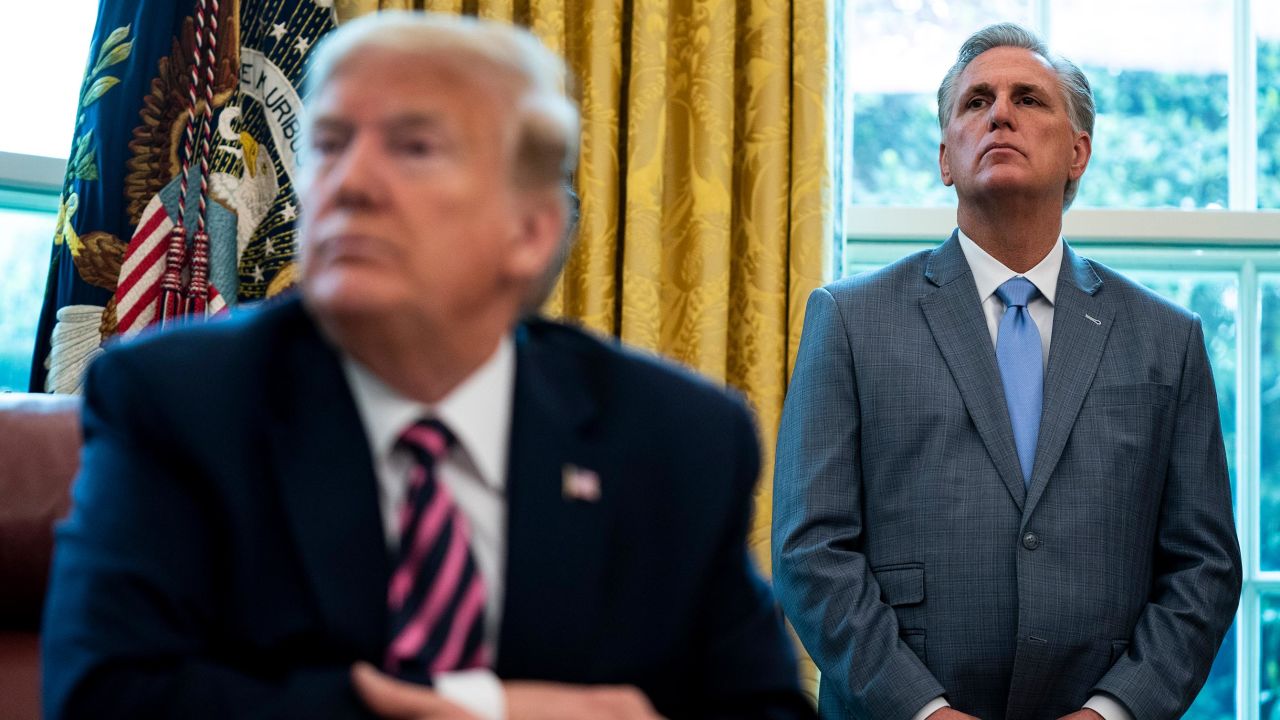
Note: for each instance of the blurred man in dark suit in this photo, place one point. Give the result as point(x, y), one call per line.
point(325, 506)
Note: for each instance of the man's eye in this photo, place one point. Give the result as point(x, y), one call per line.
point(976, 103)
point(326, 145)
point(414, 147)
point(1028, 100)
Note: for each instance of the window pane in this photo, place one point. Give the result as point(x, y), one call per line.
point(1269, 440)
point(52, 36)
point(1266, 16)
point(1159, 75)
point(1269, 697)
point(1214, 297)
point(898, 52)
point(24, 255)
point(1217, 699)
point(1161, 133)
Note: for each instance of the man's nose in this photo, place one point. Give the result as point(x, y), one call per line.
point(1001, 113)
point(358, 174)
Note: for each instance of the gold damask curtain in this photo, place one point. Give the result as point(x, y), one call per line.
point(706, 194)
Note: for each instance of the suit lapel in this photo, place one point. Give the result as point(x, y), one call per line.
point(954, 314)
point(1081, 323)
point(556, 545)
point(328, 488)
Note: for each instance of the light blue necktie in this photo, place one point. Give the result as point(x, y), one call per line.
point(1018, 354)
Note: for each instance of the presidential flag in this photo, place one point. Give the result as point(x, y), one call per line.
point(178, 200)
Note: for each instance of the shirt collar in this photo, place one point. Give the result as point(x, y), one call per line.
point(477, 411)
point(989, 273)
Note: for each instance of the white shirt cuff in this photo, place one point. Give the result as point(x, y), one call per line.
point(479, 692)
point(934, 706)
point(1108, 707)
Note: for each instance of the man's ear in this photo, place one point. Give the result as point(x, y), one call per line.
point(944, 167)
point(1082, 150)
point(539, 231)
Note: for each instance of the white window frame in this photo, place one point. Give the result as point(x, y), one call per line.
point(31, 172)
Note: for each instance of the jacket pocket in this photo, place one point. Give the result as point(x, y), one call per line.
point(914, 639)
point(901, 584)
point(902, 588)
point(1143, 393)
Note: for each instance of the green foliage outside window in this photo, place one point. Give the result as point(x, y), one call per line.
point(1269, 124)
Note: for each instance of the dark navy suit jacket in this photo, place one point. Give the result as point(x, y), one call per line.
point(225, 556)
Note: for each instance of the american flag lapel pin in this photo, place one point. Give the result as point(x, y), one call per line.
point(579, 484)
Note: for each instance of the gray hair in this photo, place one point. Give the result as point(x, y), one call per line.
point(546, 152)
point(1071, 80)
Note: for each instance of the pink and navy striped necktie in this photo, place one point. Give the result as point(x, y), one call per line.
point(436, 597)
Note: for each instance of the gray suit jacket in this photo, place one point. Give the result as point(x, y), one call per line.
point(909, 556)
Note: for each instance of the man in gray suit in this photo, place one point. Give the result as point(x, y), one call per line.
point(1001, 488)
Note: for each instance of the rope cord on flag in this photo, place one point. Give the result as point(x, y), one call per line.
point(198, 291)
point(175, 255)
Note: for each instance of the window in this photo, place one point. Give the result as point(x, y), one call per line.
point(1188, 103)
point(34, 141)
point(26, 225)
point(1186, 166)
point(1267, 23)
point(54, 37)
point(894, 114)
point(1161, 134)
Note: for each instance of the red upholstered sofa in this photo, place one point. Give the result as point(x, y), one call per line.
point(39, 455)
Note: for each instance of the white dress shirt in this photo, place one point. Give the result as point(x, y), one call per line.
point(989, 274)
point(478, 412)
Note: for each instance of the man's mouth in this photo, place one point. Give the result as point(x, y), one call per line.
point(1001, 146)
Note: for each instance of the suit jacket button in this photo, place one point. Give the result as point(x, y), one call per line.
point(1030, 541)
